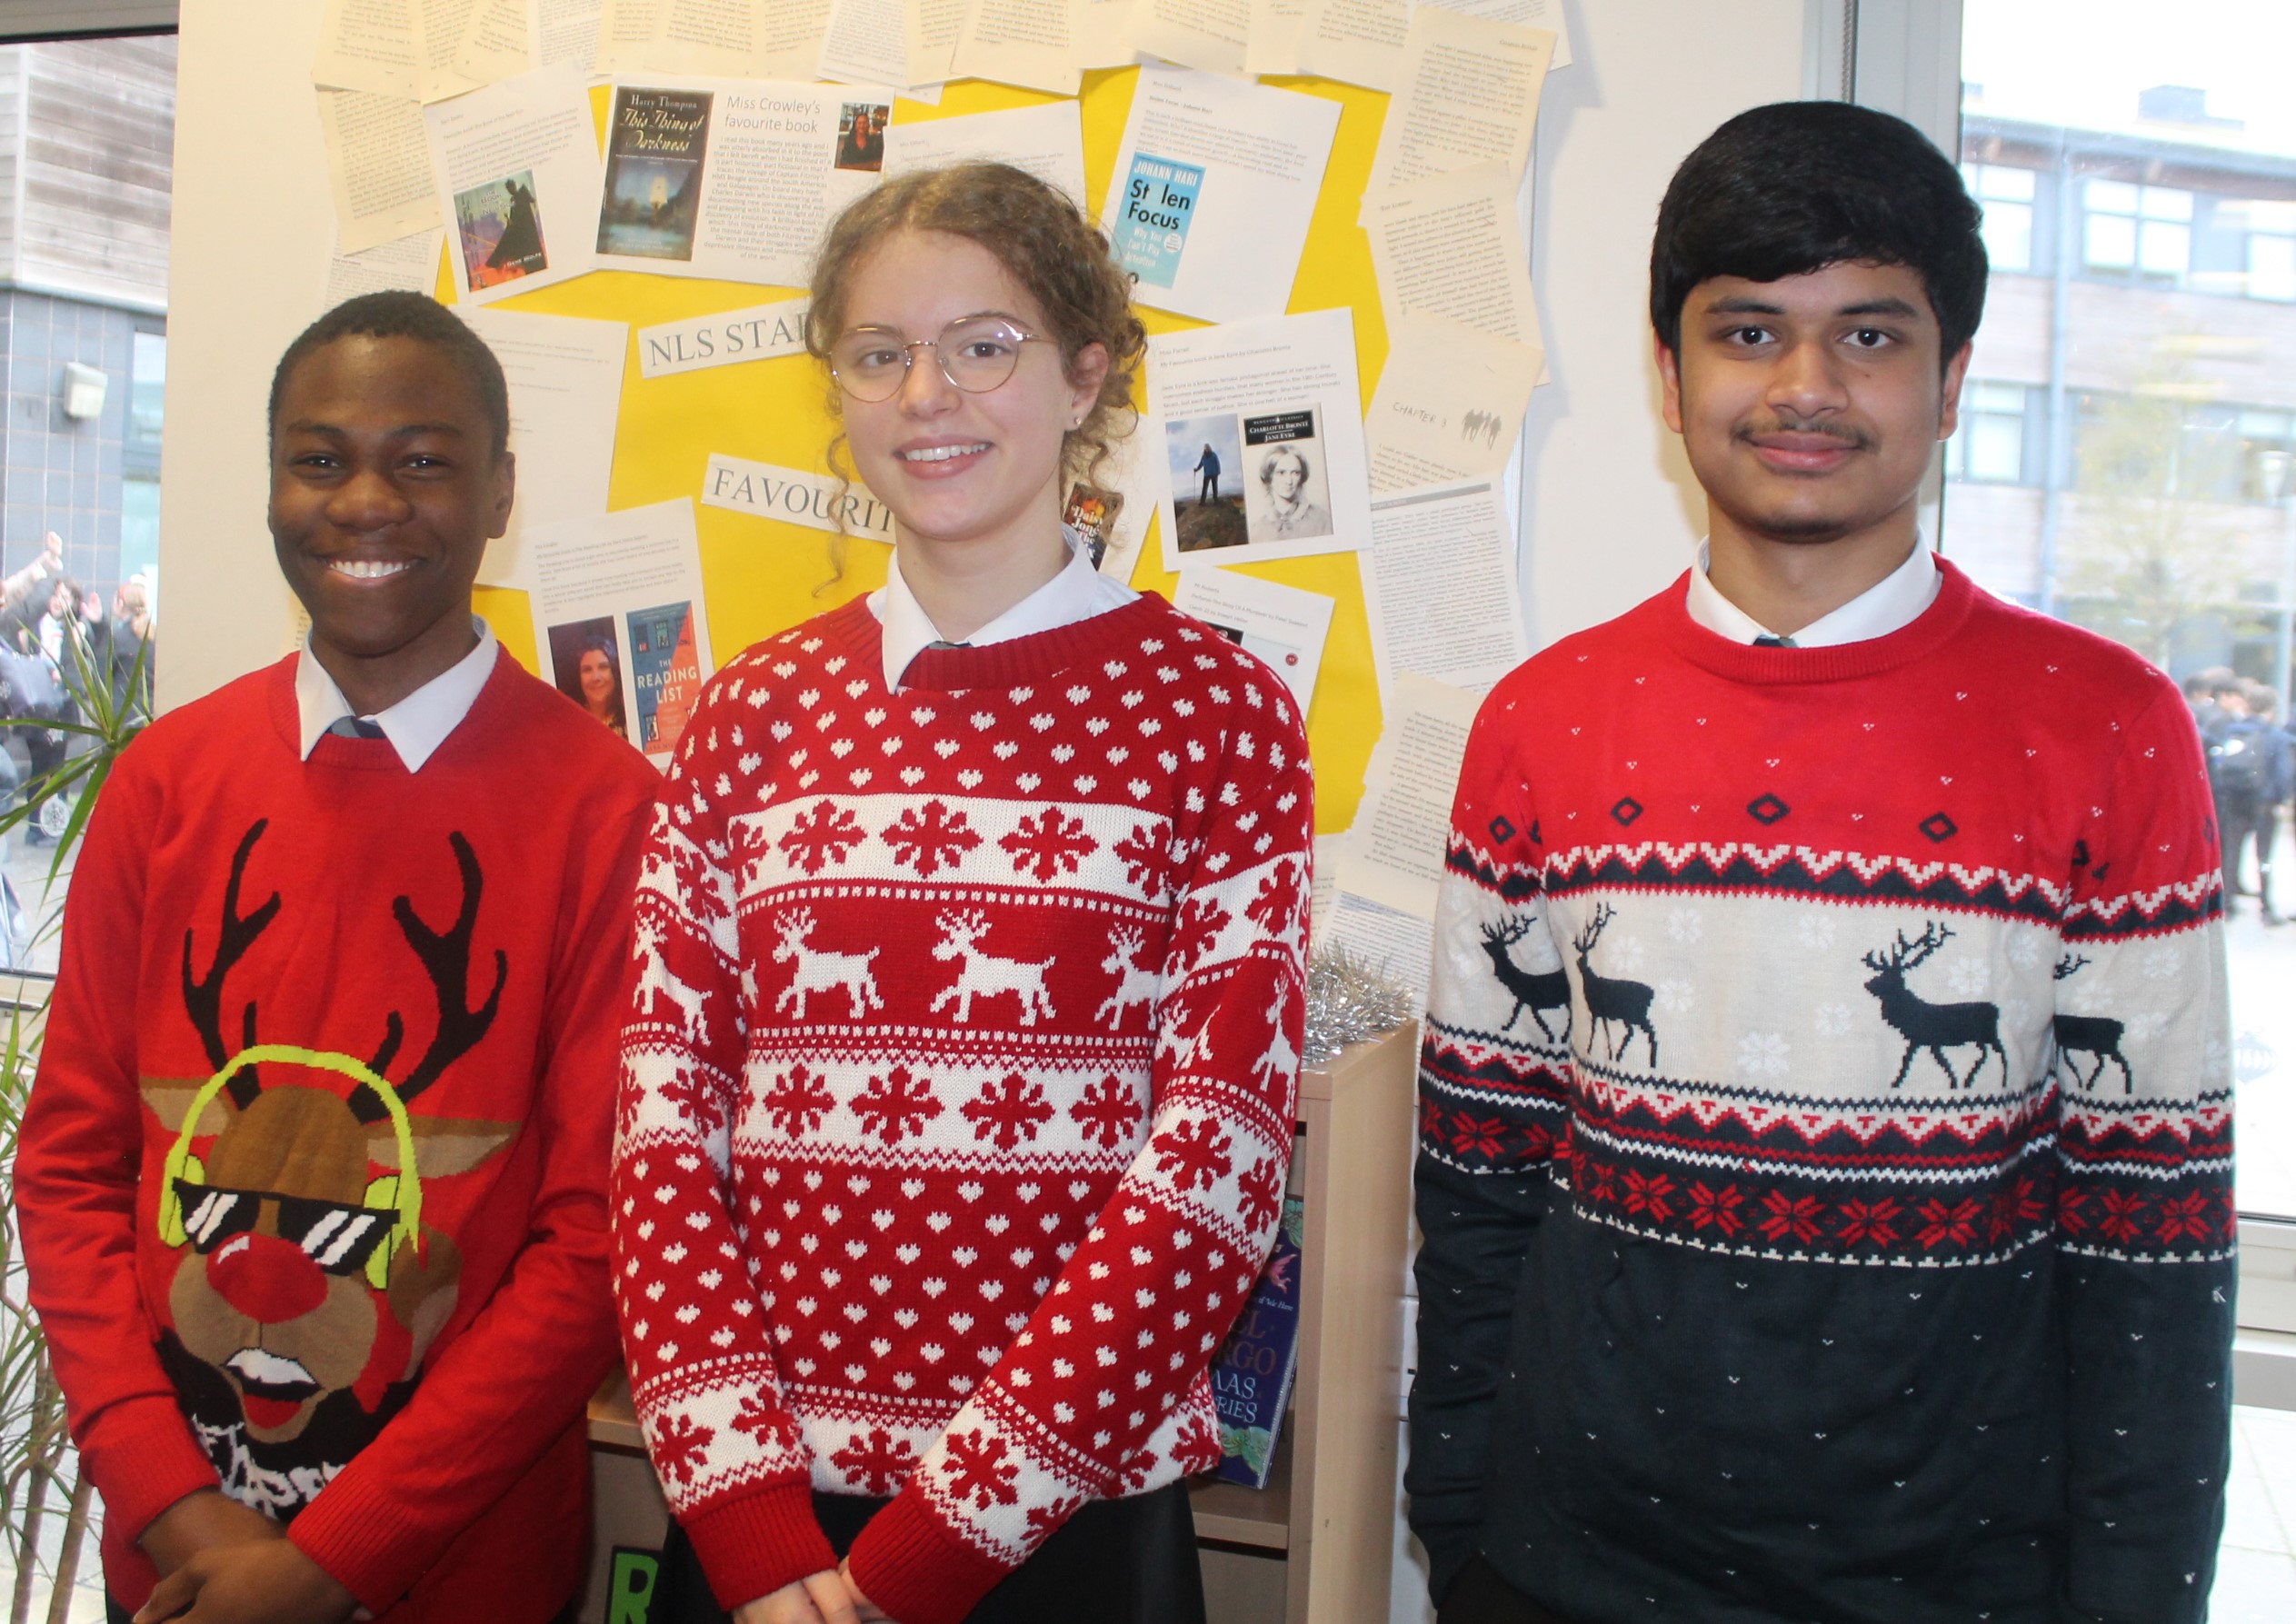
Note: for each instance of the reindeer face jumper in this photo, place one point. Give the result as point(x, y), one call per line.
point(957, 1087)
point(311, 1178)
point(1825, 1136)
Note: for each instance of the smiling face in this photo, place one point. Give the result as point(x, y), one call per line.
point(384, 491)
point(597, 678)
point(959, 470)
point(1809, 406)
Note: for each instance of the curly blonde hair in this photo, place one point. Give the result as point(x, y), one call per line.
point(1043, 242)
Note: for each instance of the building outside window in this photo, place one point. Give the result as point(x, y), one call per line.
point(2007, 195)
point(1997, 441)
point(2143, 232)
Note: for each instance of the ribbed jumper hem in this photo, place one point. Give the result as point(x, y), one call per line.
point(754, 1546)
point(913, 1567)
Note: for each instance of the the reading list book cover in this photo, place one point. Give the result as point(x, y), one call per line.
point(1252, 1376)
point(654, 173)
point(668, 669)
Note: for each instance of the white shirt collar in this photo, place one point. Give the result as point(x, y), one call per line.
point(1891, 604)
point(1077, 593)
point(415, 726)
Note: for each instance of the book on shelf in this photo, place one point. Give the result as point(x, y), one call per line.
point(1251, 1374)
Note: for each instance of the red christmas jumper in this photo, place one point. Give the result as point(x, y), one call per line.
point(958, 1087)
point(1825, 1158)
point(396, 1361)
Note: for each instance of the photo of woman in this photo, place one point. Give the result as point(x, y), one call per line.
point(958, 1077)
point(587, 669)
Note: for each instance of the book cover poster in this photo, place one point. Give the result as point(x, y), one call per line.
point(501, 231)
point(1160, 205)
point(1251, 1374)
point(654, 173)
point(667, 669)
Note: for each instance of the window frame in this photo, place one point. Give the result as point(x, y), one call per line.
point(1906, 58)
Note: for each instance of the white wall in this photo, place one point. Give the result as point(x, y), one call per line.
point(1613, 511)
point(253, 221)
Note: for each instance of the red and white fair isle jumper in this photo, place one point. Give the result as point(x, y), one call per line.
point(957, 1086)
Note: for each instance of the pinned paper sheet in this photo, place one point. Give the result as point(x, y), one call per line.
point(565, 375)
point(1274, 46)
point(619, 622)
point(1112, 507)
point(509, 37)
point(379, 166)
point(1450, 245)
point(734, 179)
point(408, 266)
point(1395, 852)
point(1449, 406)
point(724, 338)
point(1468, 94)
point(1101, 33)
point(1046, 140)
point(517, 173)
point(1027, 43)
point(1264, 439)
point(1524, 14)
point(1358, 41)
point(1440, 587)
point(792, 495)
point(1282, 625)
point(1213, 185)
point(1210, 34)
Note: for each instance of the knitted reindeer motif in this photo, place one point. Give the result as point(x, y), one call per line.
point(1537, 990)
point(310, 1289)
point(822, 971)
point(1608, 1001)
point(984, 974)
point(2098, 1036)
point(1936, 1027)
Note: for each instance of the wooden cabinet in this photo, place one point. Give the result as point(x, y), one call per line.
point(1329, 1508)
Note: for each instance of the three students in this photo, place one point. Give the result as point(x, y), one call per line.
point(1781, 1274)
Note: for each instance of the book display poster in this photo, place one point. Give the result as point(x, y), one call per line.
point(667, 665)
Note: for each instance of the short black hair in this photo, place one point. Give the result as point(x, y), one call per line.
point(1796, 187)
point(405, 316)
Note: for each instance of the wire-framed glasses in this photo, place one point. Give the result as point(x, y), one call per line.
point(976, 353)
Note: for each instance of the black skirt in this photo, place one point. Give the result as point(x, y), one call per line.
point(1126, 1561)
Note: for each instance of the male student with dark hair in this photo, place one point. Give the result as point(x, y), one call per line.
point(311, 1178)
point(1825, 1131)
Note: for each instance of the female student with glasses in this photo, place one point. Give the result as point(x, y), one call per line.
point(958, 1077)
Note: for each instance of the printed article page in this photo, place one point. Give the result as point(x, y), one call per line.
point(565, 375)
point(1264, 439)
point(1213, 189)
point(1282, 625)
point(1210, 34)
point(1469, 95)
point(1047, 141)
point(379, 166)
point(734, 179)
point(1440, 587)
point(1449, 405)
point(1027, 43)
point(619, 622)
point(517, 174)
point(1450, 245)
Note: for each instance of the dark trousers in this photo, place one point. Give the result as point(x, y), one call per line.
point(1210, 491)
point(1480, 1595)
point(1126, 1561)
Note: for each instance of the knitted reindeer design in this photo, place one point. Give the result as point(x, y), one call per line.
point(310, 1289)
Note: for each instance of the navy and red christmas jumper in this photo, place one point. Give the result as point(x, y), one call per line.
point(958, 1087)
point(374, 1312)
point(1825, 1155)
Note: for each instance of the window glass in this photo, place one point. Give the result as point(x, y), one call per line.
point(148, 391)
point(2164, 514)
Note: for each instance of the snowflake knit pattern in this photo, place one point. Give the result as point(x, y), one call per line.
point(958, 1087)
point(1805, 1014)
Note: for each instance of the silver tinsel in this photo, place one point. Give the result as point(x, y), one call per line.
point(1349, 1000)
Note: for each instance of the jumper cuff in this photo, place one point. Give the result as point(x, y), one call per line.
point(364, 1543)
point(142, 1457)
point(912, 1566)
point(753, 1546)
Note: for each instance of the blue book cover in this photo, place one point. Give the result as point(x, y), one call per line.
point(1159, 204)
point(1251, 1374)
